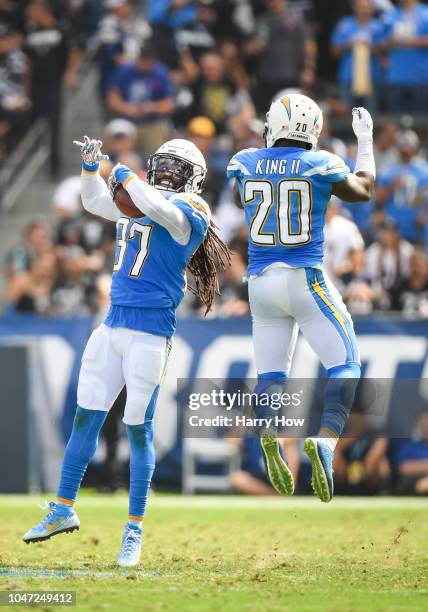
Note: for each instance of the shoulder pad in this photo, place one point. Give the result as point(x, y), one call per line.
point(195, 202)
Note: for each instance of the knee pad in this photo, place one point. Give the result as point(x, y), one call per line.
point(140, 406)
point(91, 392)
point(269, 383)
point(342, 384)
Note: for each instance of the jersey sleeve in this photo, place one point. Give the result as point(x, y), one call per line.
point(238, 166)
point(328, 167)
point(196, 210)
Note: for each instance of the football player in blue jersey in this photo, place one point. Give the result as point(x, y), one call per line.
point(173, 234)
point(284, 190)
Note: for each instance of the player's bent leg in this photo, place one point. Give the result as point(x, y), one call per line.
point(278, 471)
point(144, 365)
point(100, 381)
point(338, 397)
point(326, 324)
point(79, 451)
point(274, 339)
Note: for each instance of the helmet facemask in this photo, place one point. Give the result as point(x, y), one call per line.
point(174, 174)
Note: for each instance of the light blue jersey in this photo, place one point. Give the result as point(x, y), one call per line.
point(285, 193)
point(149, 272)
point(407, 64)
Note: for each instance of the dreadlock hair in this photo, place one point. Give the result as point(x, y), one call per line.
point(208, 257)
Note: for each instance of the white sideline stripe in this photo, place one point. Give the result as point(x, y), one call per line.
point(227, 502)
point(29, 572)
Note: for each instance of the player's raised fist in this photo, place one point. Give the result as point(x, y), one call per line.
point(362, 122)
point(90, 150)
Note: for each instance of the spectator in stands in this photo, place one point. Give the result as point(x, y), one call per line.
point(387, 262)
point(66, 200)
point(202, 131)
point(120, 142)
point(54, 53)
point(401, 189)
point(195, 37)
point(30, 290)
point(234, 64)
point(385, 149)
point(284, 53)
point(233, 301)
point(410, 295)
point(75, 290)
point(143, 92)
point(341, 237)
point(165, 17)
point(37, 240)
point(354, 42)
point(355, 288)
point(214, 92)
point(412, 460)
point(14, 100)
point(406, 40)
point(121, 33)
point(350, 455)
point(11, 14)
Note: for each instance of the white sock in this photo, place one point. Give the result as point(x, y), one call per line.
point(330, 440)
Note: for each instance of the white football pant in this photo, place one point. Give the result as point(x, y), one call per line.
point(283, 300)
point(114, 357)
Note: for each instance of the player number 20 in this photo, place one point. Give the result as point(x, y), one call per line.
point(293, 201)
point(140, 231)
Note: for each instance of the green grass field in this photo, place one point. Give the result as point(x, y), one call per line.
point(229, 553)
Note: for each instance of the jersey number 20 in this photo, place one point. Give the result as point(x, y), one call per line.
point(289, 207)
point(143, 233)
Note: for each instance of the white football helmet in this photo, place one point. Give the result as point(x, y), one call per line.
point(177, 166)
point(295, 117)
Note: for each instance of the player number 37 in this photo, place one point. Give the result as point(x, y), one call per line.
point(142, 233)
point(293, 211)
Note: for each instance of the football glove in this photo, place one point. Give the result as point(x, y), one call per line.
point(113, 185)
point(362, 123)
point(90, 151)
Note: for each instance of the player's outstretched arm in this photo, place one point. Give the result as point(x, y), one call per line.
point(96, 197)
point(153, 204)
point(359, 187)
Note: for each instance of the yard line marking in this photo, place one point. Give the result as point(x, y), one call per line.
point(28, 572)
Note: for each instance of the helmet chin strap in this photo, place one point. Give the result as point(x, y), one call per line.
point(167, 193)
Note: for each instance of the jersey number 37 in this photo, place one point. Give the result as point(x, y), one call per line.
point(138, 231)
point(293, 199)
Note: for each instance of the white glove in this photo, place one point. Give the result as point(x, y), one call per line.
point(90, 150)
point(362, 123)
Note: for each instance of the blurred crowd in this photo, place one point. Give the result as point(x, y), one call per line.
point(207, 70)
